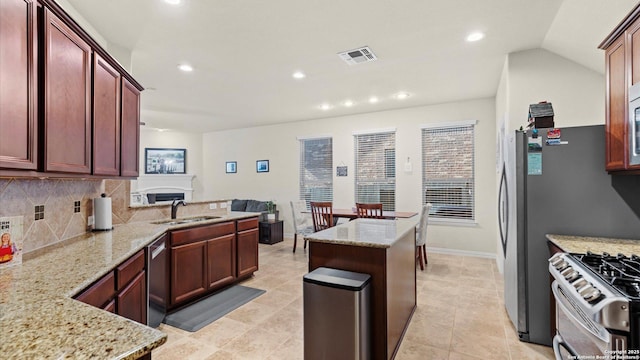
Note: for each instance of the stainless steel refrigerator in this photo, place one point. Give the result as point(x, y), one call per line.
point(560, 189)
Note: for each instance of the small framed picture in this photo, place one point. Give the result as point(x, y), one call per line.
point(232, 167)
point(262, 166)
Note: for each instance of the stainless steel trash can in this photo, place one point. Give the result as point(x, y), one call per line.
point(336, 315)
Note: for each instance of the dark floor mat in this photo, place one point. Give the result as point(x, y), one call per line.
point(202, 313)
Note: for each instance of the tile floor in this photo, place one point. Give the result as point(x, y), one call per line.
point(460, 315)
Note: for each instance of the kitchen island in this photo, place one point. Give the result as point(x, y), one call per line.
point(41, 320)
point(384, 249)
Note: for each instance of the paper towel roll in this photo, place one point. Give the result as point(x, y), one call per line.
point(102, 213)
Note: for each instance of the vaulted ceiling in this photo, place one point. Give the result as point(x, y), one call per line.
point(245, 52)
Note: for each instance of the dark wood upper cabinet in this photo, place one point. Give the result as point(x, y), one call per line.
point(616, 104)
point(18, 85)
point(106, 118)
point(67, 108)
point(67, 98)
point(130, 131)
point(622, 70)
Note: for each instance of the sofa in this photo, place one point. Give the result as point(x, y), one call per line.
point(252, 206)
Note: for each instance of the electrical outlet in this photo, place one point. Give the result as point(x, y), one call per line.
point(91, 221)
point(223, 205)
point(213, 206)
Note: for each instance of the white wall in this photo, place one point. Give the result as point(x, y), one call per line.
point(174, 139)
point(576, 92)
point(279, 145)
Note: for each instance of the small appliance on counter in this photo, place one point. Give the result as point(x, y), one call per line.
point(102, 213)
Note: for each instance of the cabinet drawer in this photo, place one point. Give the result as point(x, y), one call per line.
point(99, 293)
point(247, 224)
point(129, 269)
point(207, 232)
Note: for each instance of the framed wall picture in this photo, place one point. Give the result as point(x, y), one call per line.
point(165, 161)
point(262, 166)
point(232, 167)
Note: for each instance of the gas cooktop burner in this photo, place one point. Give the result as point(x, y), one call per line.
point(620, 271)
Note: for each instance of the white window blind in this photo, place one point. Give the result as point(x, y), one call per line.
point(448, 171)
point(316, 163)
point(375, 174)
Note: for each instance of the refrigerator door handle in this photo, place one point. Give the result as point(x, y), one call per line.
point(503, 210)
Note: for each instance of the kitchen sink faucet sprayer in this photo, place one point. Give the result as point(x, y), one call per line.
point(174, 207)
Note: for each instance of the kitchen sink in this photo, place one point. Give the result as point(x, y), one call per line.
point(185, 220)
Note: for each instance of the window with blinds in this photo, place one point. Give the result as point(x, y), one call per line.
point(448, 171)
point(375, 174)
point(316, 163)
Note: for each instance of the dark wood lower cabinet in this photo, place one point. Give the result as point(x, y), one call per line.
point(206, 258)
point(188, 271)
point(247, 252)
point(221, 254)
point(122, 291)
point(132, 302)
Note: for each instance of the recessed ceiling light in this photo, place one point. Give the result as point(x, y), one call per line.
point(185, 67)
point(402, 96)
point(475, 36)
point(348, 103)
point(373, 99)
point(299, 75)
point(325, 107)
point(173, 2)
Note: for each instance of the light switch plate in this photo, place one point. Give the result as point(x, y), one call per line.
point(213, 206)
point(91, 220)
point(223, 205)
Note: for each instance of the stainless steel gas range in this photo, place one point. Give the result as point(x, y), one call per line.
point(597, 306)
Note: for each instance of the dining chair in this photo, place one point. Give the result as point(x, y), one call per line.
point(372, 211)
point(322, 215)
point(302, 224)
point(421, 236)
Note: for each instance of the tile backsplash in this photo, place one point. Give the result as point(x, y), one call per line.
point(48, 207)
point(54, 210)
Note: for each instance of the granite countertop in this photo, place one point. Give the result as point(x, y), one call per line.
point(582, 244)
point(366, 232)
point(40, 319)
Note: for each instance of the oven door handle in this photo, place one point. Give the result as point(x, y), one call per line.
point(559, 301)
point(558, 342)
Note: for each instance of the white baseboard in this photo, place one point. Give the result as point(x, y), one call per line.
point(461, 252)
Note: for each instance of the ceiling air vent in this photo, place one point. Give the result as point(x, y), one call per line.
point(358, 56)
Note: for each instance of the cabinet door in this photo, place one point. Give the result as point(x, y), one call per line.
point(132, 300)
point(106, 118)
point(67, 102)
point(616, 106)
point(18, 81)
point(633, 51)
point(188, 271)
point(221, 262)
point(130, 132)
point(633, 61)
point(247, 252)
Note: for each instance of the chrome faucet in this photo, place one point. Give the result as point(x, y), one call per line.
point(174, 207)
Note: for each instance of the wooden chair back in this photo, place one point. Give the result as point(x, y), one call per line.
point(372, 211)
point(322, 214)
